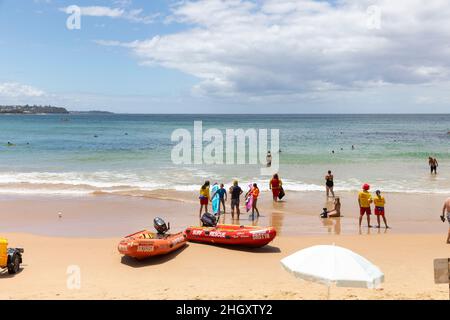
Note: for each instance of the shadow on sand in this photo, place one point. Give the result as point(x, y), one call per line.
point(5, 275)
point(265, 249)
point(151, 261)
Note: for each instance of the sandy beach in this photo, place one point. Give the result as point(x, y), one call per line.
point(91, 226)
point(210, 272)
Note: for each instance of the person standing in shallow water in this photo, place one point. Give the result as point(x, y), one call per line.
point(269, 159)
point(329, 184)
point(433, 163)
point(204, 197)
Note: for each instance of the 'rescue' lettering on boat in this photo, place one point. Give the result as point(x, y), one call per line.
point(217, 234)
point(197, 232)
point(123, 247)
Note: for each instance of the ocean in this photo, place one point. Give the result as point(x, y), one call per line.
point(82, 154)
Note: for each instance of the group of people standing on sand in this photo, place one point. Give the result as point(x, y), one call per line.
point(219, 193)
point(235, 191)
point(365, 200)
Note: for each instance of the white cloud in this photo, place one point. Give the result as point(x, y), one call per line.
point(17, 90)
point(133, 15)
point(297, 47)
point(97, 11)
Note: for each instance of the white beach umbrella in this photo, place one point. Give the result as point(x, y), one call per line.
point(333, 265)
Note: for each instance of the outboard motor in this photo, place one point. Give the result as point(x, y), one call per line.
point(208, 220)
point(160, 226)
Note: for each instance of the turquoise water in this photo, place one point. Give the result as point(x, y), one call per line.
point(90, 153)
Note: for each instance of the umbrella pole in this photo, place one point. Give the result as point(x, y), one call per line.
point(328, 292)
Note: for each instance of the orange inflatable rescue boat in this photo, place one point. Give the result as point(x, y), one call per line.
point(248, 236)
point(144, 244)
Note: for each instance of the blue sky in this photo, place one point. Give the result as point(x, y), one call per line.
point(228, 56)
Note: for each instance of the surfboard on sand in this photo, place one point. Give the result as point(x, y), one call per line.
point(216, 199)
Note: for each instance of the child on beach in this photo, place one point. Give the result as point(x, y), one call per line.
point(364, 201)
point(204, 197)
point(379, 208)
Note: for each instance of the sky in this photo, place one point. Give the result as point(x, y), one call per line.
point(227, 56)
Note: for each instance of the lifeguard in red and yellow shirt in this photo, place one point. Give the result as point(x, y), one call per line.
point(364, 200)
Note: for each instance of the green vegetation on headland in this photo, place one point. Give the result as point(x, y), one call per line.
point(27, 109)
point(34, 109)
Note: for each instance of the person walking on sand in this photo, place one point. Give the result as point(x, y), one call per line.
point(432, 162)
point(364, 201)
point(255, 194)
point(235, 192)
point(275, 185)
point(204, 197)
point(379, 203)
point(329, 184)
point(446, 210)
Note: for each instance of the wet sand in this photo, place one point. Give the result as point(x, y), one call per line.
point(90, 227)
point(108, 215)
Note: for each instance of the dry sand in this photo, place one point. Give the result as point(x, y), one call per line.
point(210, 272)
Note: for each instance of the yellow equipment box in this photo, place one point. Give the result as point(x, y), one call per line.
point(3, 252)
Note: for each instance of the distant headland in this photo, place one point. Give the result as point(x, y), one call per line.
point(35, 109)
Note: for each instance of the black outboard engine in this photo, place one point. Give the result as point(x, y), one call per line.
point(160, 226)
point(208, 220)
